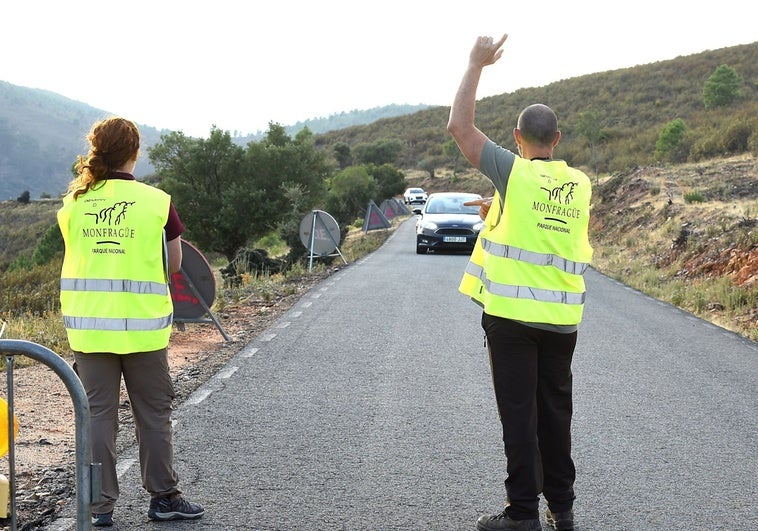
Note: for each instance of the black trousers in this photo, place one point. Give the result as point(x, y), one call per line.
point(531, 374)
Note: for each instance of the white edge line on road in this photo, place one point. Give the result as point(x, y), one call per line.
point(62, 524)
point(249, 352)
point(199, 396)
point(227, 373)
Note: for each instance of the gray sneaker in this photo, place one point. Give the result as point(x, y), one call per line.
point(174, 509)
point(503, 522)
point(102, 519)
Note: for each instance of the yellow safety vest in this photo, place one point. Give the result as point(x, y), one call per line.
point(114, 281)
point(530, 257)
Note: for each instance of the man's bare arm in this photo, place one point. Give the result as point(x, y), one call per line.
point(461, 125)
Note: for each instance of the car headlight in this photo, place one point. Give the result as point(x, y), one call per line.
point(478, 226)
point(428, 225)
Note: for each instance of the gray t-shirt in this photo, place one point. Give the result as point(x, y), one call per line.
point(496, 163)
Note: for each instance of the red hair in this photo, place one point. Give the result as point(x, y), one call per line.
point(113, 143)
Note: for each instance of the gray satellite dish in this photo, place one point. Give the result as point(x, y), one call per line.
point(193, 289)
point(320, 234)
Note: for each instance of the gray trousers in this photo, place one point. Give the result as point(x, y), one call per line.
point(148, 383)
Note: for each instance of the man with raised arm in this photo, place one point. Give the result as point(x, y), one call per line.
point(526, 272)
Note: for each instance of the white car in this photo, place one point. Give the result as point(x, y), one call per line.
point(414, 195)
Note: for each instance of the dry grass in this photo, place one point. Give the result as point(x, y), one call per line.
point(700, 256)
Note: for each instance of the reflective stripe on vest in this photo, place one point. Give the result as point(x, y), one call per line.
point(117, 324)
point(530, 257)
point(523, 292)
point(114, 286)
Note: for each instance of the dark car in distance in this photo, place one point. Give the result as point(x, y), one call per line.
point(446, 224)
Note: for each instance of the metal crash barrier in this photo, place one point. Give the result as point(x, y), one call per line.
point(87, 473)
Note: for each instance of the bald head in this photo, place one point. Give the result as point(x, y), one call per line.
point(538, 125)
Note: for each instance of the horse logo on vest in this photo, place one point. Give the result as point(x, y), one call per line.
point(563, 194)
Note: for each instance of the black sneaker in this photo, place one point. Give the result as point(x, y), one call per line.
point(174, 509)
point(102, 519)
point(562, 521)
point(503, 522)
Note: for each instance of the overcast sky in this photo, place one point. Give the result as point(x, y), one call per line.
point(188, 65)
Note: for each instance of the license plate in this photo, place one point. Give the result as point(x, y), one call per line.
point(454, 239)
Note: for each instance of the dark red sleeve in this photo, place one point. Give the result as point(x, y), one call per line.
point(174, 226)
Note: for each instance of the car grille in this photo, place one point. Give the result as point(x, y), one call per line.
point(455, 232)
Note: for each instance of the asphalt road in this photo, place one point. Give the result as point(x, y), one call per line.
point(368, 405)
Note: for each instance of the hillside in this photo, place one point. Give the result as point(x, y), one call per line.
point(631, 106)
point(41, 133)
point(337, 121)
point(21, 227)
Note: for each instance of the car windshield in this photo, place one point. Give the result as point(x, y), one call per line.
point(415, 191)
point(451, 205)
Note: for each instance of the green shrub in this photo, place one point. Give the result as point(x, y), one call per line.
point(671, 136)
point(49, 247)
point(677, 296)
point(737, 137)
point(699, 301)
point(722, 87)
point(694, 197)
point(706, 146)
